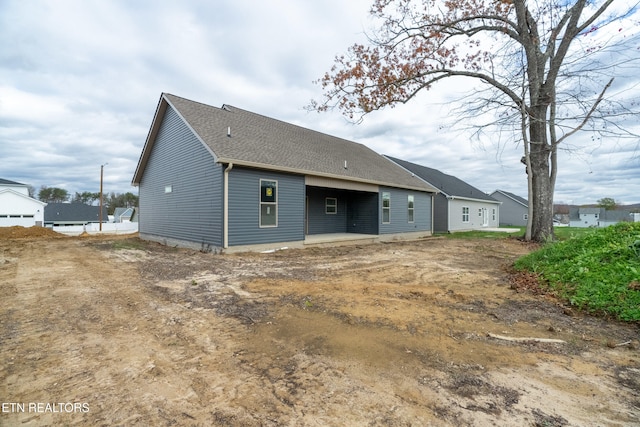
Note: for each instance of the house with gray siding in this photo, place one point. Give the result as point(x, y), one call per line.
point(458, 206)
point(124, 215)
point(514, 210)
point(226, 178)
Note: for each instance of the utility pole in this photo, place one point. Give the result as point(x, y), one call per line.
point(101, 175)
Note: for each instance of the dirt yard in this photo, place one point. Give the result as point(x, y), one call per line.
point(114, 331)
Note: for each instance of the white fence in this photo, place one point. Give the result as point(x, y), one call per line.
point(94, 228)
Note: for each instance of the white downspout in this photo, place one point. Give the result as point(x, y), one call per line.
point(448, 214)
point(225, 204)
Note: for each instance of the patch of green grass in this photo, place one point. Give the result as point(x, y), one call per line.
point(479, 234)
point(597, 270)
point(561, 233)
point(564, 233)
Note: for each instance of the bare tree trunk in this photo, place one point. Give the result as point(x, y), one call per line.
point(541, 192)
point(542, 198)
point(542, 195)
point(527, 162)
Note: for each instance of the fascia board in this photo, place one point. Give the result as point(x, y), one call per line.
point(472, 199)
point(320, 174)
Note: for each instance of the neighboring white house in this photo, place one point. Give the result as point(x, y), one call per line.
point(17, 208)
point(598, 217)
point(458, 206)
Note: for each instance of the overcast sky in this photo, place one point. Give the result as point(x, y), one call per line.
point(80, 81)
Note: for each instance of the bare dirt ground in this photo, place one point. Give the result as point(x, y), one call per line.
point(116, 332)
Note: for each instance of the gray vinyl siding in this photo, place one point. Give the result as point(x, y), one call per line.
point(357, 211)
point(362, 213)
point(399, 213)
point(511, 212)
point(244, 208)
point(193, 210)
point(440, 213)
point(319, 222)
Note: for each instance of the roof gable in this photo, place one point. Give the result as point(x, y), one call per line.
point(10, 191)
point(244, 138)
point(449, 185)
point(514, 197)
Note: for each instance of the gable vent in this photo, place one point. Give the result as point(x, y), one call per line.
point(229, 131)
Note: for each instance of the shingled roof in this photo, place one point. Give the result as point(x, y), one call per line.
point(74, 212)
point(447, 184)
point(514, 197)
point(8, 182)
point(248, 139)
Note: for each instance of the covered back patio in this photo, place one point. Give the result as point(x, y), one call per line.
point(341, 211)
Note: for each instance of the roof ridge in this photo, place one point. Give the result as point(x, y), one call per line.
point(195, 102)
point(289, 124)
point(260, 141)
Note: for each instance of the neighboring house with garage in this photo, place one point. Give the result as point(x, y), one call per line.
point(458, 206)
point(225, 178)
point(17, 208)
point(514, 210)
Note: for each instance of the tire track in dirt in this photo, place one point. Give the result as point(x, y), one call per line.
point(380, 335)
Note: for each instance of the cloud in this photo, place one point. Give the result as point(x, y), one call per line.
point(80, 82)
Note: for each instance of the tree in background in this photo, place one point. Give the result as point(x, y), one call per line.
point(608, 203)
point(114, 200)
point(86, 197)
point(544, 71)
point(53, 195)
point(111, 201)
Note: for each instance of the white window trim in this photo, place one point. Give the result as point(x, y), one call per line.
point(334, 206)
point(467, 214)
point(260, 203)
point(386, 208)
point(168, 189)
point(411, 211)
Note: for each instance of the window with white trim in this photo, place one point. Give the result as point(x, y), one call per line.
point(493, 214)
point(386, 208)
point(268, 203)
point(410, 208)
point(465, 214)
point(330, 206)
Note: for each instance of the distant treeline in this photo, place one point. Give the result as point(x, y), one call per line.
point(110, 200)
